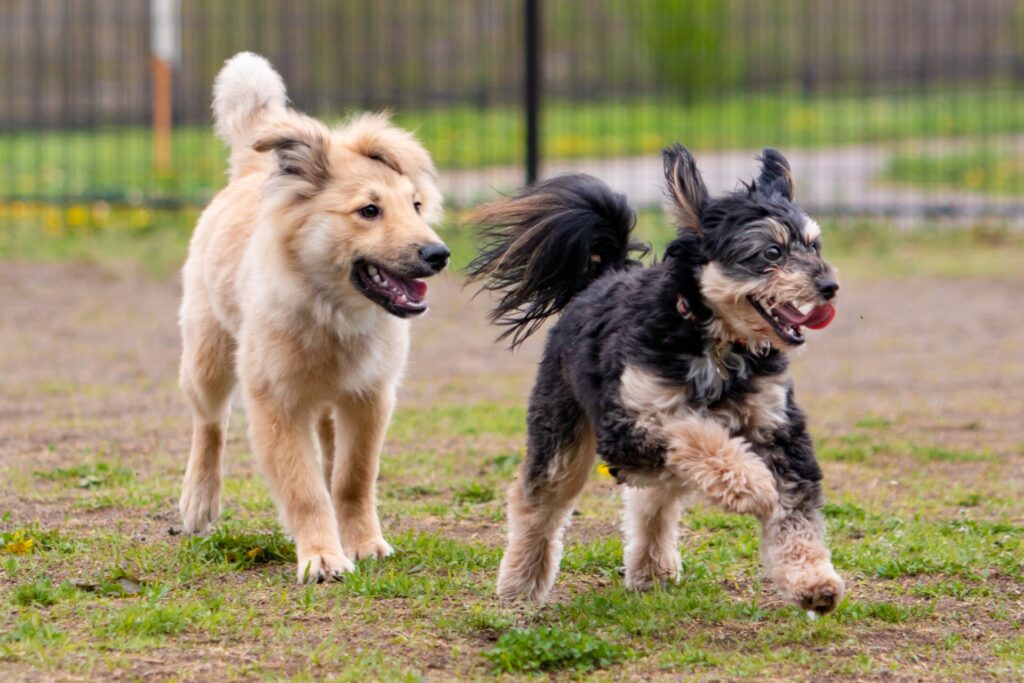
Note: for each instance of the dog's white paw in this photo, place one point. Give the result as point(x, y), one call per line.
point(374, 547)
point(530, 581)
point(320, 567)
point(643, 573)
point(199, 507)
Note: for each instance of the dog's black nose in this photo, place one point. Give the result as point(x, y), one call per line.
point(828, 288)
point(435, 256)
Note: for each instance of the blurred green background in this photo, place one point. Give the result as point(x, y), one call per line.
point(933, 86)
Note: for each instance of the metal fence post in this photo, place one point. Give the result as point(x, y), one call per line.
point(165, 48)
point(533, 84)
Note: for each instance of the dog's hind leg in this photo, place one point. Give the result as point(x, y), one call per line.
point(539, 505)
point(207, 380)
point(650, 525)
point(361, 424)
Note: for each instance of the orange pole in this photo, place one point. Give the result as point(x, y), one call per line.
point(161, 69)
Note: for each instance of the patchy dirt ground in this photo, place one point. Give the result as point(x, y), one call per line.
point(89, 362)
point(930, 372)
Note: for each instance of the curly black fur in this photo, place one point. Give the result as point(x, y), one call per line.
point(565, 244)
point(548, 243)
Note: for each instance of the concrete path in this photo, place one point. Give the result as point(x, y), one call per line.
point(840, 180)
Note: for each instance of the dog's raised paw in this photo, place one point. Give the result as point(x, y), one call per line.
point(822, 600)
point(320, 567)
point(822, 597)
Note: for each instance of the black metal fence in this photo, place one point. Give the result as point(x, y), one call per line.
point(894, 107)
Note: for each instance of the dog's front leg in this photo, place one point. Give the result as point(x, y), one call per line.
point(283, 441)
point(702, 455)
point(793, 537)
point(362, 422)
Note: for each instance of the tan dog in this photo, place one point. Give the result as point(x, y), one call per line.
point(299, 276)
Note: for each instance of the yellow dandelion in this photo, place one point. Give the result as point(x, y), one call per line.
point(974, 178)
point(651, 142)
point(602, 469)
point(20, 210)
point(77, 216)
point(19, 544)
point(140, 218)
point(254, 553)
point(571, 144)
point(802, 119)
point(53, 221)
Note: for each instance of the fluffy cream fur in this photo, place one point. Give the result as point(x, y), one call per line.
point(269, 303)
point(703, 458)
point(536, 520)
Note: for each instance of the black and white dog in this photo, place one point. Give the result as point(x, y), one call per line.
point(676, 374)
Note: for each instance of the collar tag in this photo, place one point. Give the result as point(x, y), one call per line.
point(718, 355)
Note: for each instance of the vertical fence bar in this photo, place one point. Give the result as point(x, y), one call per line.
point(533, 83)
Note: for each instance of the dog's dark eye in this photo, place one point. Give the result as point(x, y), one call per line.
point(773, 253)
point(370, 211)
point(816, 245)
point(417, 206)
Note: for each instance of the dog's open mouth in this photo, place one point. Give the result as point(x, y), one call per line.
point(787, 320)
point(401, 296)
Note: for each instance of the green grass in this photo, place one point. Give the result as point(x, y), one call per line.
point(239, 549)
point(39, 592)
point(980, 170)
point(909, 570)
point(89, 475)
point(115, 164)
point(544, 649)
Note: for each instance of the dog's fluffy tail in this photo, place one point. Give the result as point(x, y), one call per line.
point(246, 92)
point(546, 244)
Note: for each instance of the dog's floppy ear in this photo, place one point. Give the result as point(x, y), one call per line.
point(686, 191)
point(776, 174)
point(375, 137)
point(301, 145)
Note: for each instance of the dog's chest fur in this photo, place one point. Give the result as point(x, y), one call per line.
point(755, 414)
point(305, 357)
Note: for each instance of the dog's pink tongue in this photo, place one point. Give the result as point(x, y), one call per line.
point(815, 319)
point(819, 317)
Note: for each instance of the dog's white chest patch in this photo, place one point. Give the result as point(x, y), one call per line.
point(757, 416)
